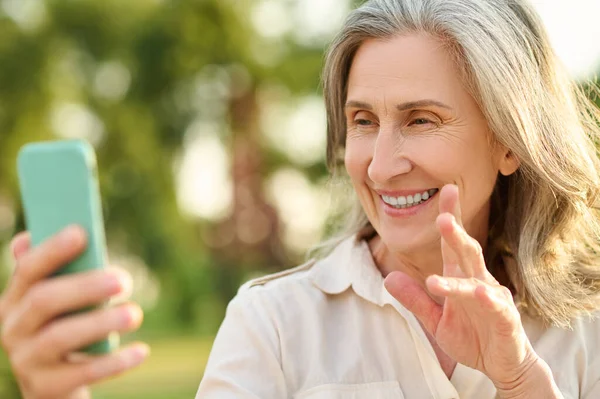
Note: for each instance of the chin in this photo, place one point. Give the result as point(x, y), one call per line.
point(408, 238)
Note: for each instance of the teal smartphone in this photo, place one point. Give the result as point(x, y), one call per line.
point(59, 187)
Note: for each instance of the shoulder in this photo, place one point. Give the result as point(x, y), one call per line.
point(572, 354)
point(275, 281)
point(290, 291)
point(314, 276)
point(276, 304)
point(588, 330)
point(584, 332)
point(304, 293)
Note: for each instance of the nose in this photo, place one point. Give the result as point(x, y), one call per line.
point(389, 157)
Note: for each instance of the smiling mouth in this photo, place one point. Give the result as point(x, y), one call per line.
point(410, 200)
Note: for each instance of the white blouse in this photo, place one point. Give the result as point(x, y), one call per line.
point(329, 329)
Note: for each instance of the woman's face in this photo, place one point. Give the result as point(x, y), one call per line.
point(412, 128)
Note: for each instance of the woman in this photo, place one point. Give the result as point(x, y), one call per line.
point(473, 161)
point(471, 248)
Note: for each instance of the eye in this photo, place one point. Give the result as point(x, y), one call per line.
point(363, 122)
point(424, 119)
point(420, 121)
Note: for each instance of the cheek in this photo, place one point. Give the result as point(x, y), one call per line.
point(441, 158)
point(453, 157)
point(468, 163)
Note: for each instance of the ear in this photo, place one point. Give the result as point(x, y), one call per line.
point(508, 163)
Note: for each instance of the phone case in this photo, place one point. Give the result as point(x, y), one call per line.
point(59, 187)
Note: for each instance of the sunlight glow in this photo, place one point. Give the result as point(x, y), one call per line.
point(112, 81)
point(302, 206)
point(76, 121)
point(574, 32)
point(296, 127)
point(204, 186)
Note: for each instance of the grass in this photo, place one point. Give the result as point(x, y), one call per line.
point(173, 371)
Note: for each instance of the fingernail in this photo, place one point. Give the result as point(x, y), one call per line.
point(130, 316)
point(119, 282)
point(136, 355)
point(455, 224)
point(71, 235)
point(442, 282)
point(113, 284)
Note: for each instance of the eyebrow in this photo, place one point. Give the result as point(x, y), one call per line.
point(400, 107)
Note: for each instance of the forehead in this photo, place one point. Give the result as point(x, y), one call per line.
point(410, 65)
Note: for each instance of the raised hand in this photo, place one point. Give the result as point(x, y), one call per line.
point(478, 323)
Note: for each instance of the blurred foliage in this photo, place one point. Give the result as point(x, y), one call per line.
point(59, 58)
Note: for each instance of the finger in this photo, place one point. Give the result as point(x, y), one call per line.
point(50, 299)
point(74, 332)
point(450, 202)
point(59, 382)
point(111, 365)
point(452, 269)
point(482, 299)
point(20, 244)
point(18, 247)
point(495, 298)
point(450, 260)
point(467, 250)
point(43, 260)
point(470, 289)
point(452, 287)
point(414, 298)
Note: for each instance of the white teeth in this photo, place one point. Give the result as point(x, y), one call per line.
point(410, 200)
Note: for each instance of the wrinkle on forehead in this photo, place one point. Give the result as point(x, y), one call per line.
point(421, 67)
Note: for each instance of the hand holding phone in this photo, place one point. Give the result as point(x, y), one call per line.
point(60, 271)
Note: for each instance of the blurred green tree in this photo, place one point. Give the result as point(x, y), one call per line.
point(132, 77)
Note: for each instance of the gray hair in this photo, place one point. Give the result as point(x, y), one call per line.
point(544, 226)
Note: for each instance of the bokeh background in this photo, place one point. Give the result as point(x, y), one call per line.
point(209, 127)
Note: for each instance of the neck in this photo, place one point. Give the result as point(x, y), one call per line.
point(429, 260)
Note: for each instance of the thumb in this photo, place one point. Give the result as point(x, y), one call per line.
point(414, 298)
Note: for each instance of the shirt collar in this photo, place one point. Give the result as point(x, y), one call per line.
point(351, 264)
